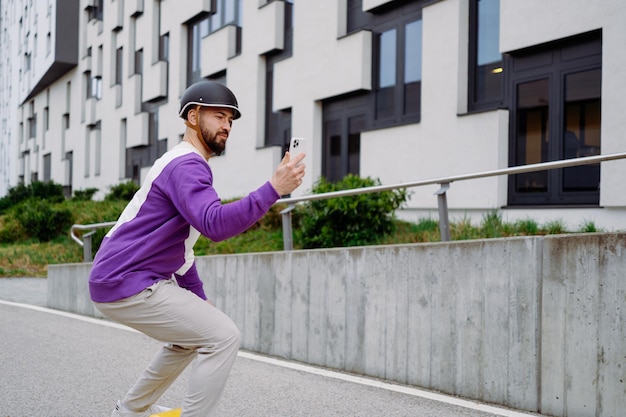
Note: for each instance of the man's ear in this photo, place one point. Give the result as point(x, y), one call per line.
point(192, 116)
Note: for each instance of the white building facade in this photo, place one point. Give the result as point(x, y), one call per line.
point(395, 90)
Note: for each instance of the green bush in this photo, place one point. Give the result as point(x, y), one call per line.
point(349, 221)
point(48, 190)
point(123, 191)
point(15, 194)
point(10, 230)
point(40, 220)
point(84, 195)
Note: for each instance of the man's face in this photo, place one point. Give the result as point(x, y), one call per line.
point(215, 124)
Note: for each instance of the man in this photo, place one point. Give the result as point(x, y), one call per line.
point(144, 274)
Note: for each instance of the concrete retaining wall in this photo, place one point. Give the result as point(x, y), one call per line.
point(534, 323)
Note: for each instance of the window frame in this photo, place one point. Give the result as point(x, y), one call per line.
point(194, 47)
point(278, 123)
point(475, 104)
point(554, 61)
point(206, 24)
point(119, 66)
point(396, 115)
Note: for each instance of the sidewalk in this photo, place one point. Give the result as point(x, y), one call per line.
point(58, 364)
point(24, 290)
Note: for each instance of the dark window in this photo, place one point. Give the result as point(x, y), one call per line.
point(485, 59)
point(32, 127)
point(88, 85)
point(387, 69)
point(333, 165)
point(398, 69)
point(69, 174)
point(395, 98)
point(227, 12)
point(164, 47)
point(93, 86)
point(139, 61)
point(412, 67)
point(555, 114)
point(533, 137)
point(344, 120)
point(278, 123)
point(197, 30)
point(582, 128)
point(119, 62)
point(47, 167)
point(96, 10)
point(397, 59)
point(357, 18)
point(144, 156)
point(96, 87)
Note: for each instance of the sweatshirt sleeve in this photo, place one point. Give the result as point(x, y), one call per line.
point(190, 188)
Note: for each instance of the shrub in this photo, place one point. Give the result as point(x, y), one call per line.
point(42, 190)
point(349, 221)
point(41, 221)
point(16, 194)
point(123, 191)
point(47, 190)
point(10, 230)
point(84, 195)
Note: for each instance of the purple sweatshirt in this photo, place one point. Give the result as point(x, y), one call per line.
point(154, 237)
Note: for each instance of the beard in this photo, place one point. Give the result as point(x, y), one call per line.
point(213, 142)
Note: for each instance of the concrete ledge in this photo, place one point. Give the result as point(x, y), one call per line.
point(533, 323)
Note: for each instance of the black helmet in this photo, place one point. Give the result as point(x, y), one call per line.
point(210, 94)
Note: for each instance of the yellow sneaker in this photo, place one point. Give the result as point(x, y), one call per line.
point(169, 413)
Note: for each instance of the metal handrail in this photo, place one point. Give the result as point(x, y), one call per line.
point(586, 160)
point(444, 183)
point(86, 242)
point(91, 227)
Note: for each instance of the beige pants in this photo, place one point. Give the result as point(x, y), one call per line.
point(193, 330)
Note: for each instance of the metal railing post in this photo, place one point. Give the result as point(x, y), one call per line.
point(442, 203)
point(287, 228)
point(87, 253)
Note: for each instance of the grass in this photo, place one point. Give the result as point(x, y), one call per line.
point(31, 259)
point(25, 257)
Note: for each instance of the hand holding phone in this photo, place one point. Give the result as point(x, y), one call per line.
point(287, 176)
point(296, 146)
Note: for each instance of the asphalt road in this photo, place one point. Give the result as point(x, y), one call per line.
point(54, 364)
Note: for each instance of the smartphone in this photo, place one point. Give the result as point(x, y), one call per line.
point(296, 146)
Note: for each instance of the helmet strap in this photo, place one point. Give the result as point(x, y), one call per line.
point(196, 128)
